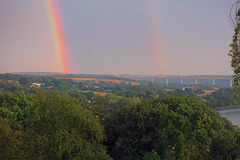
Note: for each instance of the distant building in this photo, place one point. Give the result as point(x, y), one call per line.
point(51, 87)
point(187, 88)
point(36, 85)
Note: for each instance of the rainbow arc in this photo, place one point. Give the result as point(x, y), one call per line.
point(58, 36)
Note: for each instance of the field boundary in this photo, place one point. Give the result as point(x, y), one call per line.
point(97, 80)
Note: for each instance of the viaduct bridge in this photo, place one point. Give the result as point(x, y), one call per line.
point(182, 78)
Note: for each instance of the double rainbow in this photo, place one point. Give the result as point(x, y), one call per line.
point(155, 41)
point(58, 35)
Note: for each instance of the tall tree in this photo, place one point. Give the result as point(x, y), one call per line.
point(60, 128)
point(235, 46)
point(173, 128)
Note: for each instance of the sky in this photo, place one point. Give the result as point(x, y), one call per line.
point(164, 37)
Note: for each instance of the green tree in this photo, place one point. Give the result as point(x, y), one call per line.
point(90, 96)
point(11, 142)
point(173, 128)
point(25, 81)
point(100, 100)
point(60, 128)
point(234, 52)
point(79, 96)
point(62, 84)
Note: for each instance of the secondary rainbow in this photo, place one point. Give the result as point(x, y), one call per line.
point(155, 40)
point(58, 35)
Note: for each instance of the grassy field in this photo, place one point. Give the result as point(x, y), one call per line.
point(9, 81)
point(97, 80)
point(206, 92)
point(100, 93)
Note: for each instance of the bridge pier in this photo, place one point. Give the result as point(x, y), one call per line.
point(180, 79)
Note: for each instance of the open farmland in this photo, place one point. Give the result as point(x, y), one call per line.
point(97, 80)
point(100, 93)
point(9, 81)
point(206, 92)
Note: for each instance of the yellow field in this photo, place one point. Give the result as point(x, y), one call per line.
point(206, 92)
point(100, 93)
point(9, 81)
point(97, 80)
point(169, 90)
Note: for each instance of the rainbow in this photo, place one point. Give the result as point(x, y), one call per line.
point(156, 44)
point(58, 35)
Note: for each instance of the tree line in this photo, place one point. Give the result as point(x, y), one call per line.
point(61, 125)
point(221, 98)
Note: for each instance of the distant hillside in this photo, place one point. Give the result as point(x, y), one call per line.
point(93, 76)
point(64, 75)
point(39, 73)
point(97, 80)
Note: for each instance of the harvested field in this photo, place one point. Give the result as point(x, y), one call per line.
point(100, 93)
point(206, 92)
point(169, 90)
point(97, 80)
point(9, 81)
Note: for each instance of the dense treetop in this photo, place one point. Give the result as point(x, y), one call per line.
point(69, 121)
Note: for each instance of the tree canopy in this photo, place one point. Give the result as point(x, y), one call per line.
point(56, 127)
point(174, 128)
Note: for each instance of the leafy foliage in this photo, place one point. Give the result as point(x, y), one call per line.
point(235, 47)
point(173, 128)
point(61, 129)
point(11, 144)
point(130, 122)
point(48, 125)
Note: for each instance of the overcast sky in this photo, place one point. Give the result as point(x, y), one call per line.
point(182, 37)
